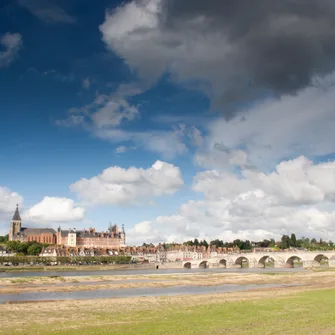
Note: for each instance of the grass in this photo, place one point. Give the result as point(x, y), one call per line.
point(310, 312)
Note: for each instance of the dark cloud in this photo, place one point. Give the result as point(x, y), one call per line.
point(249, 48)
point(279, 45)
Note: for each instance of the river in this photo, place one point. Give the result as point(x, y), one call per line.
point(133, 272)
point(131, 292)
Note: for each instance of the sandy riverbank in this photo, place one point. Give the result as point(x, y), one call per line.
point(69, 284)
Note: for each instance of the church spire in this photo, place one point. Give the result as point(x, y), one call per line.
point(16, 216)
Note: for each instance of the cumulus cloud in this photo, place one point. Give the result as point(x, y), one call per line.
point(53, 209)
point(8, 202)
point(11, 43)
point(297, 197)
point(47, 11)
point(216, 157)
point(143, 233)
point(274, 130)
point(116, 185)
point(234, 51)
point(113, 113)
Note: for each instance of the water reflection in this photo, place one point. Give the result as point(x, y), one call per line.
point(141, 272)
point(132, 292)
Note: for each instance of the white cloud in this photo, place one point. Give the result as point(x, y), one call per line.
point(106, 115)
point(276, 129)
point(167, 143)
point(220, 159)
point(294, 182)
point(53, 209)
point(113, 113)
point(142, 233)
point(297, 197)
point(116, 185)
point(12, 43)
point(8, 202)
point(121, 149)
point(47, 11)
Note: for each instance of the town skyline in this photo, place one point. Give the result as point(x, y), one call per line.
point(129, 112)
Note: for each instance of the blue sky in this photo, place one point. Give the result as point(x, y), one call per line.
point(119, 86)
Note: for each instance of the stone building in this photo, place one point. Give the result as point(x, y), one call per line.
point(113, 238)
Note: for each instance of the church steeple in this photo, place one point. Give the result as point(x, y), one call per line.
point(16, 216)
point(15, 225)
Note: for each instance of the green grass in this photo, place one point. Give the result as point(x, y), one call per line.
point(310, 312)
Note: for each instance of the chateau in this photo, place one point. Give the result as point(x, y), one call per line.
point(113, 238)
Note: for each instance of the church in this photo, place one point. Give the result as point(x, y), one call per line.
point(113, 238)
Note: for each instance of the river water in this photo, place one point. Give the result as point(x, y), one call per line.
point(131, 292)
point(142, 272)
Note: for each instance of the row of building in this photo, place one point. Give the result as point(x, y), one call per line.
point(114, 238)
point(89, 242)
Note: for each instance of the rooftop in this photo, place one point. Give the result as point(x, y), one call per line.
point(16, 216)
point(37, 231)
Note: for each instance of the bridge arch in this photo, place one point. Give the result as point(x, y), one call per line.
point(241, 261)
point(321, 259)
point(187, 265)
point(264, 259)
point(223, 263)
point(203, 265)
point(290, 261)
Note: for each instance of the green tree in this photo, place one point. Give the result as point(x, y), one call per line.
point(293, 240)
point(13, 245)
point(217, 243)
point(3, 239)
point(23, 248)
point(34, 249)
point(285, 242)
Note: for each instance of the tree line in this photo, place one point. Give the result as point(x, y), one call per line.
point(25, 248)
point(286, 242)
point(4, 239)
point(78, 260)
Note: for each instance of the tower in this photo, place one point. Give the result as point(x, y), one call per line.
point(123, 234)
point(72, 238)
point(59, 235)
point(15, 225)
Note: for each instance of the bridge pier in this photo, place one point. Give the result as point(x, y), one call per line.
point(279, 263)
point(254, 264)
point(331, 262)
point(308, 264)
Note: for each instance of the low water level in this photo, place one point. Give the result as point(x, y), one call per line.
point(141, 272)
point(131, 292)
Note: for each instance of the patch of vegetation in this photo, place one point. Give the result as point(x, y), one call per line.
point(35, 260)
point(25, 248)
point(311, 312)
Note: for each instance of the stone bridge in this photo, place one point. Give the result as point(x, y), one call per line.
point(258, 259)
